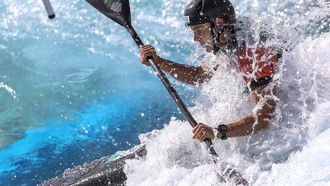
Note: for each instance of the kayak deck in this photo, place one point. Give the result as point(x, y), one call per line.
point(107, 170)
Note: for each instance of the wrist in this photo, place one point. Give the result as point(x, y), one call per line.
point(161, 62)
point(222, 131)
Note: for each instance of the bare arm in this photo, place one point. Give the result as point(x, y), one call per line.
point(257, 122)
point(247, 125)
point(184, 73)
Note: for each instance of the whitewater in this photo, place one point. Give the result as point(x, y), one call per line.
point(69, 72)
point(294, 150)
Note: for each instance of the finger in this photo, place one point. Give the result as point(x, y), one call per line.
point(199, 134)
point(204, 136)
point(200, 129)
point(197, 127)
point(145, 54)
point(195, 136)
point(148, 53)
point(196, 131)
point(147, 47)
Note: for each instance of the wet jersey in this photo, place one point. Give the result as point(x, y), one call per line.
point(252, 59)
point(256, 63)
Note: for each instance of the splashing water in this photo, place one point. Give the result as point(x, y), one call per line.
point(74, 102)
point(292, 151)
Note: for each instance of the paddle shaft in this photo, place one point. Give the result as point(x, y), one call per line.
point(174, 94)
point(49, 9)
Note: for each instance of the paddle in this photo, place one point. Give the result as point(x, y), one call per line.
point(119, 11)
point(49, 9)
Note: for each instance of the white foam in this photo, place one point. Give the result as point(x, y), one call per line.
point(294, 150)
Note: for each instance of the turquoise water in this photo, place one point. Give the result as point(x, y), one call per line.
point(73, 90)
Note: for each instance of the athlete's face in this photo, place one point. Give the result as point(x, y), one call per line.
point(203, 35)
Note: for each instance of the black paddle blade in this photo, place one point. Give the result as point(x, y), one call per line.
point(117, 10)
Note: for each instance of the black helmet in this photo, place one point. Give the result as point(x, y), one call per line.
point(206, 11)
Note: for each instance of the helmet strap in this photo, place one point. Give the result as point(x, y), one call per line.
point(231, 38)
point(216, 38)
point(232, 43)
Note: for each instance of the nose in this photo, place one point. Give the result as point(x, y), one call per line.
point(197, 37)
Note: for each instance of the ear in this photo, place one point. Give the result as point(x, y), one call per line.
point(219, 21)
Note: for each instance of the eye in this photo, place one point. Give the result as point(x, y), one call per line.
point(196, 32)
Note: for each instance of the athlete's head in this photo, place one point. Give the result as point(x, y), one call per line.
point(212, 23)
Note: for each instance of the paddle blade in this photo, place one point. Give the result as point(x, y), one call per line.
point(117, 10)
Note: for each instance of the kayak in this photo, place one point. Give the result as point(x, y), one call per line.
point(108, 170)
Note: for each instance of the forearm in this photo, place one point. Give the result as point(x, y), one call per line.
point(184, 73)
point(254, 122)
point(246, 126)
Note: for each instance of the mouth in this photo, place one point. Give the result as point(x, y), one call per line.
point(207, 45)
